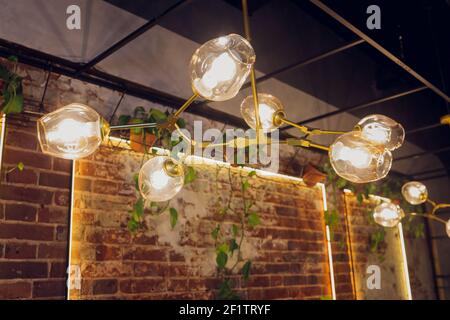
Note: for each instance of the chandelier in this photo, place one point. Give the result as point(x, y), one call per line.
point(218, 69)
point(415, 193)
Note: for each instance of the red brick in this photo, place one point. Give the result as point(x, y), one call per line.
point(82, 184)
point(62, 198)
point(146, 254)
point(26, 176)
point(15, 290)
point(26, 231)
point(103, 253)
point(105, 187)
point(20, 212)
point(26, 194)
point(52, 251)
point(54, 180)
point(61, 233)
point(53, 215)
point(23, 270)
point(142, 285)
point(20, 251)
point(62, 165)
point(51, 288)
point(58, 270)
point(108, 286)
point(29, 159)
point(21, 139)
point(2, 246)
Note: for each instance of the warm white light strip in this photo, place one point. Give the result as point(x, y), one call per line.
point(405, 262)
point(72, 201)
point(402, 245)
point(327, 231)
point(2, 137)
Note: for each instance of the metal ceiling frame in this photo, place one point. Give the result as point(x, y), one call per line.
point(87, 72)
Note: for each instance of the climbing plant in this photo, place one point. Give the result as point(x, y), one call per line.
point(11, 96)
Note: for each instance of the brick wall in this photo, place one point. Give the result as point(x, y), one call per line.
point(288, 249)
point(33, 217)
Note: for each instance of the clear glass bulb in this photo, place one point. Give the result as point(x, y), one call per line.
point(160, 179)
point(358, 160)
point(268, 107)
point(382, 130)
point(388, 214)
point(219, 68)
point(71, 132)
point(415, 192)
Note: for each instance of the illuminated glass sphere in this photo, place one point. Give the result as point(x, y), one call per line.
point(269, 106)
point(71, 132)
point(219, 68)
point(447, 227)
point(415, 192)
point(160, 179)
point(388, 214)
point(382, 130)
point(358, 160)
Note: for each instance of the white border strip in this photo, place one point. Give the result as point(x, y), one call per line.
point(328, 237)
point(2, 137)
point(405, 262)
point(72, 202)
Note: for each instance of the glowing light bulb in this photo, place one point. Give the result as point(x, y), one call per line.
point(72, 132)
point(382, 130)
point(220, 67)
point(268, 106)
point(388, 214)
point(160, 179)
point(415, 192)
point(358, 160)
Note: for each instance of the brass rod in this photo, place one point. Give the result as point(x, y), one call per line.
point(308, 130)
point(429, 216)
point(319, 146)
point(185, 105)
point(133, 126)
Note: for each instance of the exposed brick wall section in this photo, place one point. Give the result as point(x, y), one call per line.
point(33, 217)
point(289, 252)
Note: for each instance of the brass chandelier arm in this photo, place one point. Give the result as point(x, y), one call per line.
point(185, 105)
point(307, 130)
point(440, 206)
point(429, 216)
point(133, 126)
point(252, 70)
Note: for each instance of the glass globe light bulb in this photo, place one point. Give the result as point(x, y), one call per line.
point(388, 214)
point(382, 130)
point(71, 132)
point(269, 107)
point(160, 179)
point(219, 68)
point(415, 192)
point(358, 160)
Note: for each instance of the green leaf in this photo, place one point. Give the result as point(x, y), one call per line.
point(190, 175)
point(234, 230)
point(139, 113)
point(253, 219)
point(133, 225)
point(360, 198)
point(341, 183)
point(224, 247)
point(136, 121)
point(20, 166)
point(215, 232)
point(181, 123)
point(139, 207)
point(13, 58)
point(246, 270)
point(12, 104)
point(123, 119)
point(173, 217)
point(245, 185)
point(233, 245)
point(158, 115)
point(252, 173)
point(221, 259)
point(136, 181)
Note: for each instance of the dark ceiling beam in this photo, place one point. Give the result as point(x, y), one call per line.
point(130, 37)
point(423, 153)
point(427, 172)
point(359, 106)
point(380, 48)
point(432, 177)
point(424, 128)
point(306, 62)
point(67, 68)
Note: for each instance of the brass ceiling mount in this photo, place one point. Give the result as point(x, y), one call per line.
point(445, 119)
